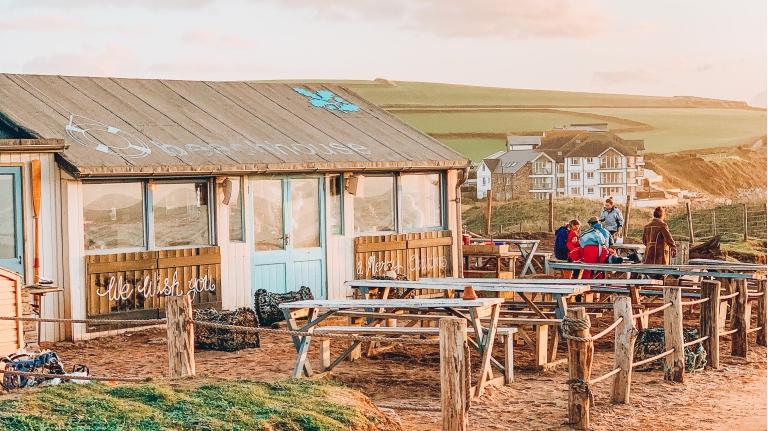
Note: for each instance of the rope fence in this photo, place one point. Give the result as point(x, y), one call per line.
point(576, 326)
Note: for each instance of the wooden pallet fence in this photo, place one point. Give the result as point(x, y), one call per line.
point(134, 285)
point(415, 255)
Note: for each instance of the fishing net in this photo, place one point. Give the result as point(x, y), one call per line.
point(266, 303)
point(224, 339)
point(650, 342)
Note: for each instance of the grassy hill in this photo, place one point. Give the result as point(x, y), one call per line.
point(475, 120)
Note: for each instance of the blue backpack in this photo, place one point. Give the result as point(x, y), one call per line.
point(561, 243)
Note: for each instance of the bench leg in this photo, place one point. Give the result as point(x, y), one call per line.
point(356, 352)
point(325, 354)
point(541, 336)
point(509, 355)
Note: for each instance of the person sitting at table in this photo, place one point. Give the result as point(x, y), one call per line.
point(594, 245)
point(574, 249)
point(659, 244)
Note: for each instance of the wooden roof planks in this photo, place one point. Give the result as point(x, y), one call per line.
point(136, 127)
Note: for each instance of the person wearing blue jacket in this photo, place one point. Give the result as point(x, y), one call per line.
point(594, 244)
point(611, 218)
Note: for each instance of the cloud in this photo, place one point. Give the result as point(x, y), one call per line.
point(462, 18)
point(73, 5)
point(112, 60)
point(621, 77)
point(218, 40)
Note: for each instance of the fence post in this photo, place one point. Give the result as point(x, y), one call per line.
point(488, 212)
point(625, 336)
point(746, 224)
point(709, 321)
point(690, 222)
point(762, 314)
point(714, 223)
point(674, 364)
point(453, 382)
point(551, 212)
point(579, 371)
point(181, 336)
point(627, 214)
point(740, 320)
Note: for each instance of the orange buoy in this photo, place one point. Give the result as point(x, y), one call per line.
point(469, 293)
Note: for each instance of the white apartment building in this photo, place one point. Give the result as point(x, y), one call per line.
point(593, 165)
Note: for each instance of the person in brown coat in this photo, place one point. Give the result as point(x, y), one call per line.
point(659, 244)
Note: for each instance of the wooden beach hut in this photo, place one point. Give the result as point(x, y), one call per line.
point(148, 187)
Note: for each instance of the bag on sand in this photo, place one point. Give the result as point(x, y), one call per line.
point(266, 303)
point(561, 243)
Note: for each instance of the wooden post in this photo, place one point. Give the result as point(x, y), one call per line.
point(674, 364)
point(762, 314)
point(714, 223)
point(551, 212)
point(488, 212)
point(453, 383)
point(746, 224)
point(627, 213)
point(181, 336)
point(625, 336)
point(579, 372)
point(740, 320)
point(709, 321)
point(690, 222)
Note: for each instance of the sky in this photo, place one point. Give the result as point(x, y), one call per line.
point(706, 48)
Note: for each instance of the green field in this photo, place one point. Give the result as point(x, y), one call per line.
point(667, 124)
point(677, 129)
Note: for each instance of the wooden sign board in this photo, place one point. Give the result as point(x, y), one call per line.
point(415, 255)
point(134, 285)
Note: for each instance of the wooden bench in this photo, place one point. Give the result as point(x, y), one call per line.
point(544, 351)
point(542, 259)
point(506, 335)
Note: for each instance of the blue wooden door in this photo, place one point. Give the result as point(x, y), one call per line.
point(11, 231)
point(288, 235)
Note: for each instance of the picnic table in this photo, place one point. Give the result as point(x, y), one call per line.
point(625, 249)
point(546, 351)
point(482, 337)
point(527, 248)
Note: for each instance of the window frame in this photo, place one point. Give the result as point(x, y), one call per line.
point(398, 229)
point(149, 216)
point(342, 222)
point(243, 223)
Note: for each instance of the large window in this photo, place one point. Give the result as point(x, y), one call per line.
point(113, 215)
point(236, 232)
point(118, 215)
point(375, 204)
point(407, 202)
point(180, 214)
point(420, 201)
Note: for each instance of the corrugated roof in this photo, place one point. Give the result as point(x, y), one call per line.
point(155, 127)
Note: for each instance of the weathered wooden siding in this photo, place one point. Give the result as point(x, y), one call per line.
point(51, 264)
point(235, 256)
point(11, 333)
point(340, 251)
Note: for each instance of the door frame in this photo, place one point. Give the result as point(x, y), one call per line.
point(287, 253)
point(17, 171)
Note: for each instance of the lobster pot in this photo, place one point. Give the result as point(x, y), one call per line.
point(11, 332)
point(224, 339)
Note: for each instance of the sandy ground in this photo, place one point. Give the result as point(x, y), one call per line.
point(733, 397)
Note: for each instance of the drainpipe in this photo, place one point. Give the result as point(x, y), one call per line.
point(462, 178)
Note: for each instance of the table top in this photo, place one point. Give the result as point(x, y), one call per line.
point(498, 285)
point(391, 303)
point(546, 281)
point(507, 241)
point(637, 247)
point(34, 289)
point(696, 270)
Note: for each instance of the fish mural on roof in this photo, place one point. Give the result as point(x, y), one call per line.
point(327, 100)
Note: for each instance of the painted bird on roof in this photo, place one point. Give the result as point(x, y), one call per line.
point(327, 100)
